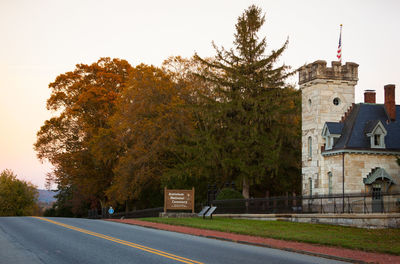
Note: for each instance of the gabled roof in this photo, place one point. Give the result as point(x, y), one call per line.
point(378, 173)
point(334, 127)
point(362, 119)
point(369, 127)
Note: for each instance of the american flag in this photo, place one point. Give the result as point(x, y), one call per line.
point(339, 49)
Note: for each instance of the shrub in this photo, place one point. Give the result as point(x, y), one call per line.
point(228, 193)
point(17, 197)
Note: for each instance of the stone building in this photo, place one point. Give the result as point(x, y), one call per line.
point(347, 147)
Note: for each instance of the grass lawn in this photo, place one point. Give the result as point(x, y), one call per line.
point(377, 240)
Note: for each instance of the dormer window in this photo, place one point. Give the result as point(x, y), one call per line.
point(331, 133)
point(376, 132)
point(328, 142)
point(377, 140)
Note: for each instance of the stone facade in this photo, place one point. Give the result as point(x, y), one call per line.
point(327, 93)
point(328, 96)
point(356, 168)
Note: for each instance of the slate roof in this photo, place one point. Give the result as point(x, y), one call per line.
point(334, 127)
point(361, 120)
point(370, 125)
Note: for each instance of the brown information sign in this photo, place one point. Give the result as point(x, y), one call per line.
point(178, 200)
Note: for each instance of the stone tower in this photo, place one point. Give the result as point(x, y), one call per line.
point(327, 94)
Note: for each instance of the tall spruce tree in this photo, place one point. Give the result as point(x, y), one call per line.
point(253, 119)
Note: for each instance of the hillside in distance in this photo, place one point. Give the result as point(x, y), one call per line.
point(46, 196)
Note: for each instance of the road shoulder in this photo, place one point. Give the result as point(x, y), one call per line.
point(12, 252)
point(342, 254)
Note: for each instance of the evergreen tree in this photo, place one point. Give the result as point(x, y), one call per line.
point(253, 120)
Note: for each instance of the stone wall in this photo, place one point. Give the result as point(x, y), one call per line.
point(176, 215)
point(357, 167)
point(355, 220)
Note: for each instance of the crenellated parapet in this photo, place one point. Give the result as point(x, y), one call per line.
point(318, 70)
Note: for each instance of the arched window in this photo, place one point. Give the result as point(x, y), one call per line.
point(330, 183)
point(309, 147)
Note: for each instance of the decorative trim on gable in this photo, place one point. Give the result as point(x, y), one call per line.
point(377, 135)
point(329, 137)
point(378, 173)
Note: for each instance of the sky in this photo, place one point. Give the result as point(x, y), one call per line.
point(44, 38)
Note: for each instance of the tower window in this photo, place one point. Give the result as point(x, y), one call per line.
point(309, 102)
point(316, 183)
point(309, 147)
point(336, 101)
point(330, 183)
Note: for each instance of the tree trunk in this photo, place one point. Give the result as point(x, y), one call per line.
point(246, 189)
point(102, 204)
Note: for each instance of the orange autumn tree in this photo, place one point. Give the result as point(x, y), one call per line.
point(151, 117)
point(78, 141)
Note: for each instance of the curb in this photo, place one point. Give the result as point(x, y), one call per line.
point(287, 249)
point(333, 257)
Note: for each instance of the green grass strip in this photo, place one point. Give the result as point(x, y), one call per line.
point(374, 240)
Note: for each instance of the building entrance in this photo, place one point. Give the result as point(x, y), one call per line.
point(377, 203)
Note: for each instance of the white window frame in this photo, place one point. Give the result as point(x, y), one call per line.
point(379, 130)
point(329, 138)
point(309, 147)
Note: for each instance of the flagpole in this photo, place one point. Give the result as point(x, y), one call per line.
point(339, 51)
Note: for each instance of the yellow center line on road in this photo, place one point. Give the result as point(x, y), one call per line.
point(123, 242)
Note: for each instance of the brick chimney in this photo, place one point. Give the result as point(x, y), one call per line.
point(369, 96)
point(390, 104)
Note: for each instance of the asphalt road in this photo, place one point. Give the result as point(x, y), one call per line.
point(70, 240)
